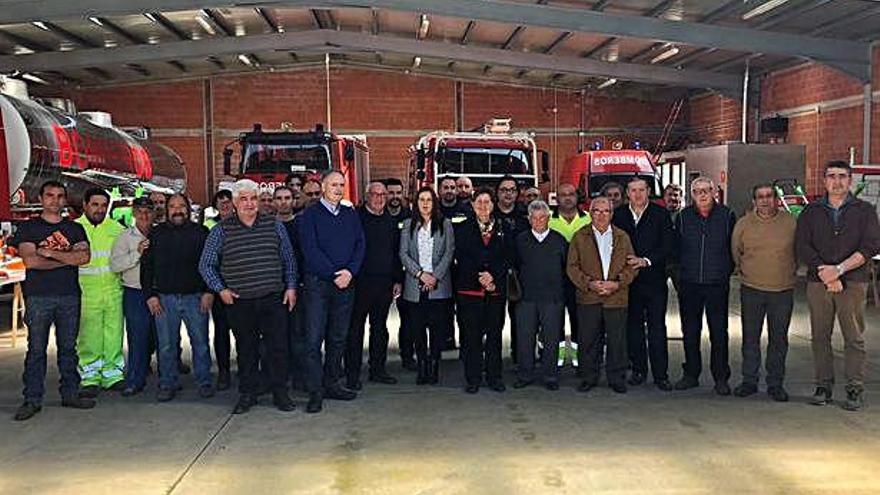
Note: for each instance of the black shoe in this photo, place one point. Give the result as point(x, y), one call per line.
point(521, 383)
point(636, 378)
point(117, 387)
point(821, 397)
point(586, 386)
point(472, 389)
point(722, 388)
point(27, 411)
point(165, 394)
point(433, 372)
point(244, 404)
point(777, 393)
point(316, 403)
point(687, 382)
point(339, 393)
point(410, 365)
point(497, 386)
point(132, 391)
point(449, 345)
point(183, 368)
point(663, 385)
point(745, 389)
point(77, 402)
point(283, 402)
point(382, 377)
point(354, 384)
point(552, 386)
point(90, 391)
point(855, 400)
point(264, 388)
point(619, 388)
point(224, 380)
point(423, 370)
point(206, 391)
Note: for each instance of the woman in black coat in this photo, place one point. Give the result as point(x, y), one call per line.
point(481, 255)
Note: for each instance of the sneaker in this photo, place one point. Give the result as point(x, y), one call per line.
point(206, 391)
point(821, 397)
point(117, 387)
point(854, 400)
point(90, 391)
point(746, 389)
point(77, 402)
point(778, 394)
point(27, 411)
point(687, 382)
point(165, 394)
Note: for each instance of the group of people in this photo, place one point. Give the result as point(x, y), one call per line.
point(305, 271)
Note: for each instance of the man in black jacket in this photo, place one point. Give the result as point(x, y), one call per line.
point(379, 283)
point(175, 291)
point(702, 245)
point(650, 229)
point(514, 220)
point(400, 212)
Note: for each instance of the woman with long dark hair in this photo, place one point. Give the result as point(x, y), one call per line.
point(427, 245)
point(482, 262)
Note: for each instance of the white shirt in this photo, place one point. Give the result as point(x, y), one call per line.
point(333, 209)
point(637, 216)
point(540, 236)
point(606, 246)
point(426, 248)
point(125, 258)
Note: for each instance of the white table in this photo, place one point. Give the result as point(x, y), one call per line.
point(16, 277)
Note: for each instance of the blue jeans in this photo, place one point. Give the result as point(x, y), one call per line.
point(186, 307)
point(138, 323)
point(40, 313)
point(327, 318)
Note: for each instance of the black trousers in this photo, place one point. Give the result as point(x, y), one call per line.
point(372, 300)
point(222, 330)
point(595, 323)
point(544, 318)
point(405, 337)
point(297, 346)
point(481, 319)
point(777, 307)
point(428, 325)
point(647, 311)
point(693, 300)
point(511, 317)
point(255, 320)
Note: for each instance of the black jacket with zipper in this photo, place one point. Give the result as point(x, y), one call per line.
point(702, 245)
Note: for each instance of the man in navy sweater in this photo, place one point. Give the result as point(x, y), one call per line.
point(333, 247)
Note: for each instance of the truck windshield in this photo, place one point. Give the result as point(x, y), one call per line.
point(284, 158)
point(495, 161)
point(598, 181)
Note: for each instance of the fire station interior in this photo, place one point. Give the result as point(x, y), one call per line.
point(189, 95)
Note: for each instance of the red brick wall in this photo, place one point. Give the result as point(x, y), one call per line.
point(827, 135)
point(391, 108)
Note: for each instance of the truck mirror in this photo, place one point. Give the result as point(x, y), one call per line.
point(349, 152)
point(227, 161)
point(545, 161)
point(420, 162)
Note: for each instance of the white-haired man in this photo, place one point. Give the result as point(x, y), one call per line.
point(248, 261)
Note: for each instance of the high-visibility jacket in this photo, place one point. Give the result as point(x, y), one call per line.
point(96, 274)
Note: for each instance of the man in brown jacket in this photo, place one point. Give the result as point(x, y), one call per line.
point(762, 246)
point(597, 267)
point(836, 237)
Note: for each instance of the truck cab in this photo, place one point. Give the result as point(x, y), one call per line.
point(589, 171)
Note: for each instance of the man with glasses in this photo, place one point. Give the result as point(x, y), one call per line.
point(514, 220)
point(311, 191)
point(702, 240)
point(836, 237)
point(763, 252)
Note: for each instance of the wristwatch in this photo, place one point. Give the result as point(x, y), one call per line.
point(839, 269)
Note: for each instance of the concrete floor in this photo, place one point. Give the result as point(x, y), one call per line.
point(407, 439)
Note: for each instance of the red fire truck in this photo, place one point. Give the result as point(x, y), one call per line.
point(43, 140)
point(590, 170)
point(484, 155)
point(267, 157)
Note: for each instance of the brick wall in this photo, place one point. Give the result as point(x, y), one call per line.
point(827, 134)
point(391, 108)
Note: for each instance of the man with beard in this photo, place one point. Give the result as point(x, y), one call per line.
point(222, 330)
point(175, 291)
point(100, 335)
point(450, 206)
point(513, 218)
point(399, 212)
point(158, 200)
point(267, 205)
point(465, 189)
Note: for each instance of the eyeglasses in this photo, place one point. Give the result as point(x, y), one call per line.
point(315, 194)
point(507, 189)
point(702, 190)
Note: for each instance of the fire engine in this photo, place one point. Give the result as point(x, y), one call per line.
point(47, 139)
point(484, 155)
point(267, 157)
point(590, 170)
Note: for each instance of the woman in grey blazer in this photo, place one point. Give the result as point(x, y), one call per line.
point(427, 245)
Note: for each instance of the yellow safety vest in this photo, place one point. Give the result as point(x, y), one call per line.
point(96, 274)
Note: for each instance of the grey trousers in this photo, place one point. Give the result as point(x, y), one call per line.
point(544, 319)
point(776, 307)
point(849, 308)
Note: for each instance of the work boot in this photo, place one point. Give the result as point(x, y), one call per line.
point(76, 402)
point(745, 389)
point(90, 391)
point(27, 411)
point(687, 382)
point(777, 393)
point(244, 404)
point(855, 400)
point(316, 403)
point(283, 401)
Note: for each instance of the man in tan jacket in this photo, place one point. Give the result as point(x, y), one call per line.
point(597, 267)
point(762, 246)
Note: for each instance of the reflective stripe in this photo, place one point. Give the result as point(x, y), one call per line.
point(560, 360)
point(100, 254)
point(115, 372)
point(573, 352)
point(92, 370)
point(94, 270)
